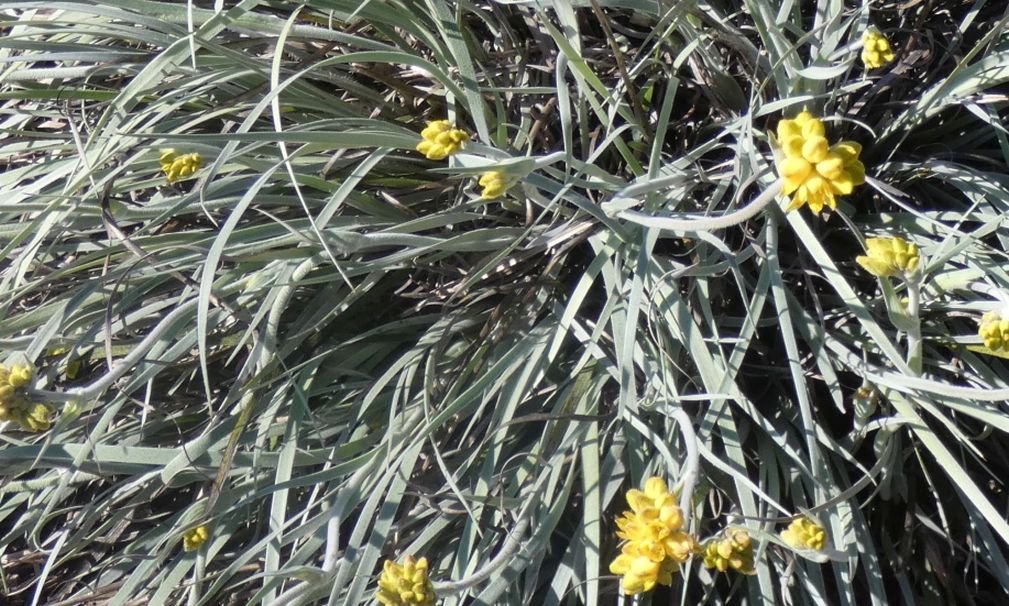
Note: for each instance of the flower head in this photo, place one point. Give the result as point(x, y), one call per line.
point(655, 544)
point(994, 330)
point(15, 407)
point(441, 140)
point(641, 570)
point(31, 416)
point(193, 538)
point(876, 51)
point(406, 584)
point(812, 170)
point(734, 550)
point(889, 257)
point(494, 184)
point(179, 166)
point(19, 375)
point(804, 533)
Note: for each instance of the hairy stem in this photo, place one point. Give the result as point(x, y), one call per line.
point(704, 223)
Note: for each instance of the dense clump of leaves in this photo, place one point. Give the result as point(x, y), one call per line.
point(327, 350)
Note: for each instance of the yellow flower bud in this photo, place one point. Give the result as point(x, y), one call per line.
point(733, 550)
point(994, 331)
point(14, 407)
point(876, 51)
point(194, 538)
point(176, 166)
point(440, 139)
point(804, 533)
point(889, 257)
point(20, 375)
point(36, 417)
point(405, 585)
point(494, 184)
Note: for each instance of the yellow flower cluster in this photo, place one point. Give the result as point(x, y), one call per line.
point(179, 166)
point(734, 550)
point(804, 533)
point(812, 170)
point(655, 544)
point(994, 331)
point(31, 416)
point(441, 140)
point(876, 51)
point(494, 184)
point(192, 539)
point(406, 585)
point(888, 257)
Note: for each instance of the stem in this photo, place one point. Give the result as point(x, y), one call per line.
point(294, 594)
point(92, 391)
point(914, 331)
point(280, 305)
point(548, 159)
point(688, 478)
point(332, 552)
point(704, 223)
point(509, 548)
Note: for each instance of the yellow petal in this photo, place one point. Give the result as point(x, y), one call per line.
point(804, 118)
point(815, 202)
point(843, 184)
point(638, 500)
point(857, 171)
point(874, 266)
point(847, 150)
point(644, 567)
point(831, 167)
point(788, 536)
point(621, 564)
point(788, 129)
point(899, 245)
point(878, 246)
point(813, 128)
point(655, 487)
point(798, 199)
point(816, 193)
point(794, 172)
point(792, 146)
point(815, 149)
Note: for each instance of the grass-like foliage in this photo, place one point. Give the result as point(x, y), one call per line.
point(314, 349)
